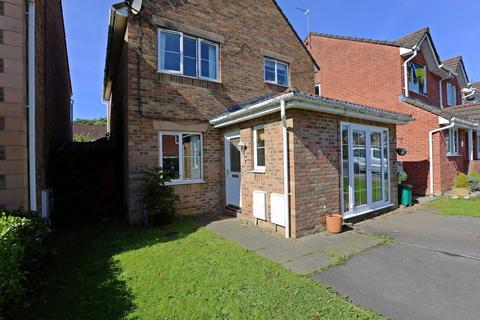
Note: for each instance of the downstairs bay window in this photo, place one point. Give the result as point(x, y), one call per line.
point(181, 156)
point(452, 142)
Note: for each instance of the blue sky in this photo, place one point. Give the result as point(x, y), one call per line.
point(454, 25)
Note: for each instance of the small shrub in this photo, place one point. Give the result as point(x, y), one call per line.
point(461, 180)
point(158, 198)
point(402, 177)
point(474, 181)
point(21, 248)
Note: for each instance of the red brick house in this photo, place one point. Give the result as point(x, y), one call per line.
point(213, 101)
point(405, 75)
point(35, 100)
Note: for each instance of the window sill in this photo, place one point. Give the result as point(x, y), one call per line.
point(420, 94)
point(454, 155)
point(173, 73)
point(183, 182)
point(277, 84)
point(258, 171)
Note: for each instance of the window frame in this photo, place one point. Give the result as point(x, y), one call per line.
point(453, 142)
point(198, 58)
point(318, 89)
point(451, 95)
point(256, 167)
point(275, 82)
point(411, 83)
point(181, 163)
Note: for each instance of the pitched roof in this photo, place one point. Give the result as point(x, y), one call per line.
point(452, 63)
point(476, 85)
point(383, 42)
point(447, 113)
point(407, 41)
point(470, 111)
point(412, 39)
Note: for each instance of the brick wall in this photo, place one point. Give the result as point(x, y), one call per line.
point(13, 132)
point(52, 91)
point(372, 74)
point(314, 172)
point(185, 103)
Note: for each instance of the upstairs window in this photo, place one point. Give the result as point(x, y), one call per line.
point(186, 55)
point(451, 94)
point(417, 78)
point(275, 72)
point(452, 142)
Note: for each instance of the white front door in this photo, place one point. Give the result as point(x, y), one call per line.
point(365, 169)
point(233, 177)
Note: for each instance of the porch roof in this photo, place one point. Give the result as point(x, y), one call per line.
point(456, 114)
point(295, 99)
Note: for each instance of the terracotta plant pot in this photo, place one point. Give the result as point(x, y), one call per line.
point(334, 222)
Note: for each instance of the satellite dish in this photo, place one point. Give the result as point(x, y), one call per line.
point(136, 6)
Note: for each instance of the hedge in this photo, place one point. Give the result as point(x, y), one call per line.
point(22, 248)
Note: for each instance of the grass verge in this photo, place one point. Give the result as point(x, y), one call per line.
point(457, 207)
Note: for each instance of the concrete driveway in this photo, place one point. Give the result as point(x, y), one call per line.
point(431, 272)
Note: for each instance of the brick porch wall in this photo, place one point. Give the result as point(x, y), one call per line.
point(314, 155)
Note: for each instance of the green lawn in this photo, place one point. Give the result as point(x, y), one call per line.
point(118, 272)
point(458, 207)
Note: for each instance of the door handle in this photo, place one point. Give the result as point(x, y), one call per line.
point(227, 171)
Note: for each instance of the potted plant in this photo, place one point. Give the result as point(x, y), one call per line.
point(461, 187)
point(401, 151)
point(334, 222)
point(158, 198)
point(404, 190)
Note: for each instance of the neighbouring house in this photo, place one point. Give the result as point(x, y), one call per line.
point(405, 75)
point(222, 94)
point(472, 94)
point(85, 132)
point(35, 100)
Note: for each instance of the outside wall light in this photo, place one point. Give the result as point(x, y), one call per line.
point(243, 148)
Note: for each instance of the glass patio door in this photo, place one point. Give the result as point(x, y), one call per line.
point(365, 169)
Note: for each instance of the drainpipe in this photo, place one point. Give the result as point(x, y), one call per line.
point(31, 107)
point(285, 168)
point(430, 145)
point(470, 144)
point(405, 69)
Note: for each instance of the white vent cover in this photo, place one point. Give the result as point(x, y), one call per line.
point(277, 206)
point(259, 205)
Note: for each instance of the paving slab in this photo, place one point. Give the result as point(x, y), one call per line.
point(304, 256)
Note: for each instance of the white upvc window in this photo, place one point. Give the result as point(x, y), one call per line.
point(452, 142)
point(181, 155)
point(451, 94)
point(318, 89)
point(478, 145)
point(417, 78)
point(187, 55)
point(259, 149)
point(275, 72)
